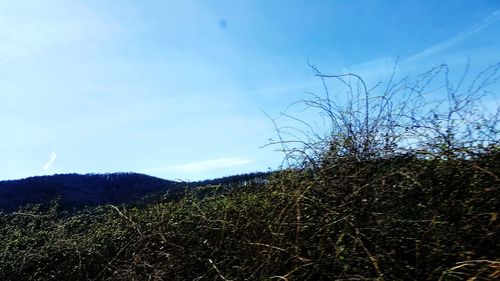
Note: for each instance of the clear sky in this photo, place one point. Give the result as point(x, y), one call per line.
point(177, 89)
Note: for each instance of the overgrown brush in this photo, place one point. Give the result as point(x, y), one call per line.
point(359, 205)
point(406, 218)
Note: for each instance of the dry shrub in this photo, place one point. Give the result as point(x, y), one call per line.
point(360, 204)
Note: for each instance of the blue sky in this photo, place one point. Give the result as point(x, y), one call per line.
point(177, 89)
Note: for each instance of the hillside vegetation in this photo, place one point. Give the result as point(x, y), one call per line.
point(74, 191)
point(397, 188)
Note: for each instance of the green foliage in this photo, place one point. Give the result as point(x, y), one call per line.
point(402, 218)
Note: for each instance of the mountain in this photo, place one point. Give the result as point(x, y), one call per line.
point(76, 191)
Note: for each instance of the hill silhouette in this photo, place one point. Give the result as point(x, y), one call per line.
point(76, 190)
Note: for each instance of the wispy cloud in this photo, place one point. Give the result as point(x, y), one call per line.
point(374, 69)
point(202, 166)
point(492, 18)
point(49, 163)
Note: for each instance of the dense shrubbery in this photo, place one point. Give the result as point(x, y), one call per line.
point(348, 211)
point(404, 218)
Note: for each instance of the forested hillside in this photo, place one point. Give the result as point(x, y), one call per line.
point(74, 191)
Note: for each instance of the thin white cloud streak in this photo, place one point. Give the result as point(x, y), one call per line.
point(49, 163)
point(492, 18)
point(202, 166)
point(374, 69)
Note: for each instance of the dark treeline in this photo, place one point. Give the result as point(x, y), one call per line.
point(74, 191)
point(236, 180)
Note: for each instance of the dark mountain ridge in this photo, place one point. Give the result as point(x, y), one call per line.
point(76, 190)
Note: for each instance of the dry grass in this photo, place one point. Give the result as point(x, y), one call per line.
point(398, 219)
